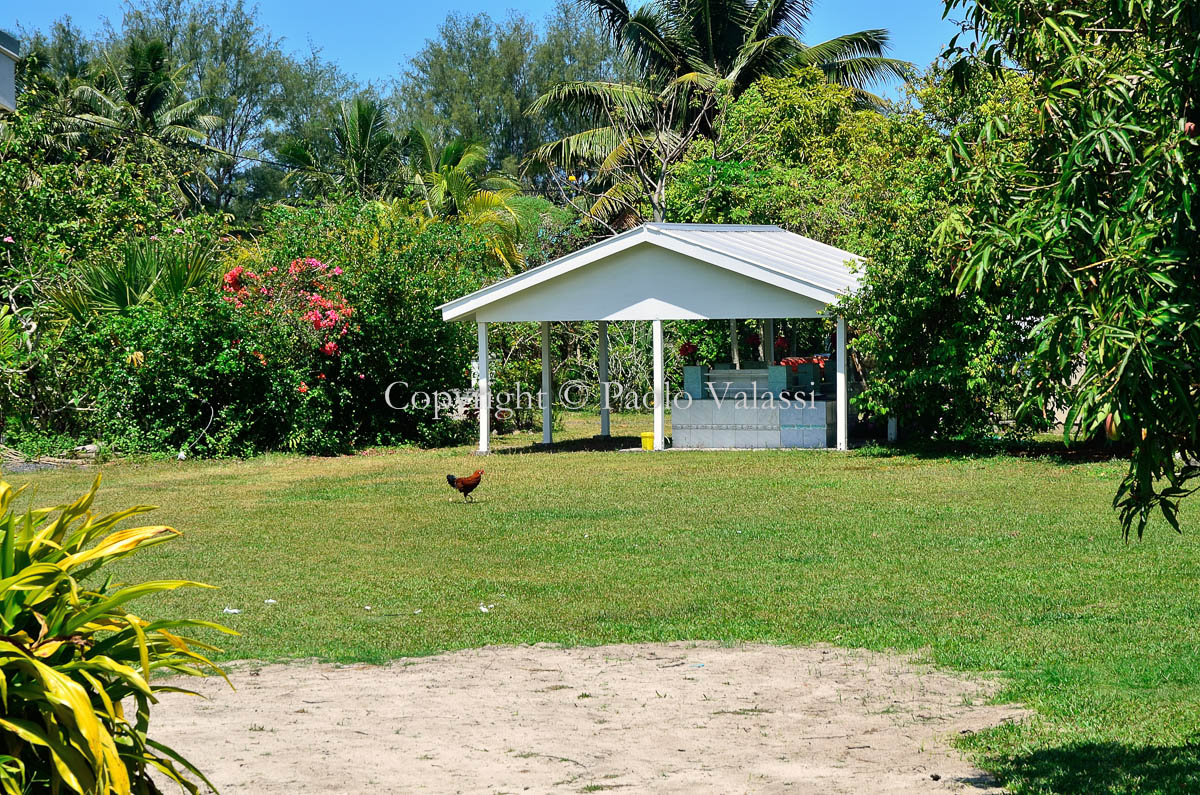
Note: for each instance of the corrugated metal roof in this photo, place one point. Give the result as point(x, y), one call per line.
point(771, 247)
point(766, 253)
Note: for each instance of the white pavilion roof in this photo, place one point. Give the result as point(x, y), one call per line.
point(673, 271)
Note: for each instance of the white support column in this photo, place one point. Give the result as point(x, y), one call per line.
point(734, 355)
point(660, 407)
point(485, 391)
point(546, 397)
point(769, 342)
point(843, 403)
point(893, 429)
point(604, 385)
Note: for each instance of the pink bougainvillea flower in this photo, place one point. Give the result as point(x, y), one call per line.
point(361, 377)
point(154, 237)
point(329, 348)
point(178, 230)
point(337, 271)
point(8, 239)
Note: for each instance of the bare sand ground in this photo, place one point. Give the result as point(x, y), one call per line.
point(678, 717)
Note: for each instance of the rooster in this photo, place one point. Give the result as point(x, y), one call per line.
point(466, 485)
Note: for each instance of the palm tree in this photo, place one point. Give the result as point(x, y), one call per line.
point(136, 90)
point(366, 155)
point(453, 183)
point(736, 42)
point(690, 56)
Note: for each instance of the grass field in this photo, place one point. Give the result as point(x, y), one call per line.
point(979, 563)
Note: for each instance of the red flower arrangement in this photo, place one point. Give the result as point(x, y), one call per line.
point(780, 342)
point(753, 340)
point(687, 349)
point(794, 362)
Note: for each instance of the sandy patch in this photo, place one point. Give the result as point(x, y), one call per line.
point(678, 717)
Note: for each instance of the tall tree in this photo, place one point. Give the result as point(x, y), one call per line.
point(1094, 221)
point(247, 79)
point(479, 76)
point(137, 89)
point(689, 56)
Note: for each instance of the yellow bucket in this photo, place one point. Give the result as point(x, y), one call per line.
point(648, 441)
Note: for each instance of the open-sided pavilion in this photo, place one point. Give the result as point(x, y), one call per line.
point(659, 272)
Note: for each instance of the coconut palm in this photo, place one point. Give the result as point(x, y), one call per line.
point(453, 182)
point(689, 56)
point(366, 155)
point(736, 42)
point(136, 90)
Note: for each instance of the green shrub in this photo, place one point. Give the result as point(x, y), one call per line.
point(70, 654)
point(296, 346)
point(196, 376)
point(396, 272)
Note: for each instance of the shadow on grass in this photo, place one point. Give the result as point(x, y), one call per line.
point(1045, 449)
point(1080, 768)
point(587, 444)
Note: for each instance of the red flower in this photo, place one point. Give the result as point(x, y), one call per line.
point(753, 340)
point(329, 348)
point(302, 388)
point(687, 349)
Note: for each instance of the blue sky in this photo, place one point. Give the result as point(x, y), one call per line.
point(371, 39)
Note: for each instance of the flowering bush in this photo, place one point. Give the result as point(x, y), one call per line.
point(286, 351)
point(304, 293)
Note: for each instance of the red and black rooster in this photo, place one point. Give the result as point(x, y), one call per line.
point(467, 484)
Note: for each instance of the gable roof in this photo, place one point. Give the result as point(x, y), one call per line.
point(768, 254)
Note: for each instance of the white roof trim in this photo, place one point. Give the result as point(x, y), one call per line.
point(804, 278)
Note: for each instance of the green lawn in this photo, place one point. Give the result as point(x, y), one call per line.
point(989, 563)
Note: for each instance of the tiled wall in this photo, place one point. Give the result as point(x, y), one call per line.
point(706, 424)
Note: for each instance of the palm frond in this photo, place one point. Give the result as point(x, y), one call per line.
point(589, 146)
point(859, 73)
point(597, 99)
point(865, 43)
